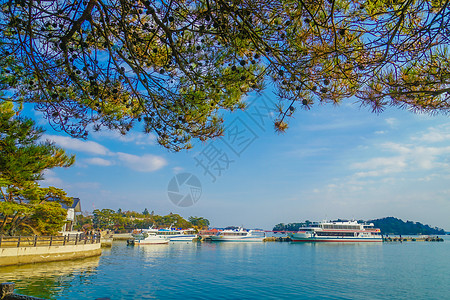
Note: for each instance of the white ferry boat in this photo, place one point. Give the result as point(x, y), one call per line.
point(151, 239)
point(173, 235)
point(349, 231)
point(239, 235)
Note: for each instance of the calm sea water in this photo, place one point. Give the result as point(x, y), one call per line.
point(410, 270)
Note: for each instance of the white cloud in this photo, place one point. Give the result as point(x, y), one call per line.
point(144, 163)
point(406, 157)
point(396, 147)
point(391, 121)
point(145, 139)
point(98, 161)
point(428, 157)
point(138, 138)
point(380, 166)
point(434, 134)
point(177, 170)
point(76, 144)
point(381, 162)
point(50, 179)
point(86, 185)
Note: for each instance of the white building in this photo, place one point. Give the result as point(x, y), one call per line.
point(71, 214)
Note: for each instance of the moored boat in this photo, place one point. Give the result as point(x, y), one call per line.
point(173, 235)
point(239, 235)
point(347, 231)
point(205, 235)
point(151, 239)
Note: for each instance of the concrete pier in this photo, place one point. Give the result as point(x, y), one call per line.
point(27, 255)
point(121, 236)
point(26, 250)
point(106, 242)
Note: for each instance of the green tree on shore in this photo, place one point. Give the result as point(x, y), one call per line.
point(25, 207)
point(128, 220)
point(289, 226)
point(175, 66)
point(199, 222)
point(104, 218)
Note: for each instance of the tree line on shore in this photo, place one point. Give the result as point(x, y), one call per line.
point(124, 221)
point(387, 225)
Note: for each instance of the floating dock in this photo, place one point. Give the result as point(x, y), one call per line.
point(413, 239)
point(277, 239)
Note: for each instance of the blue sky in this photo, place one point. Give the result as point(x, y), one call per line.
point(333, 162)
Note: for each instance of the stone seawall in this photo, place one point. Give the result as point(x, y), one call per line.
point(27, 255)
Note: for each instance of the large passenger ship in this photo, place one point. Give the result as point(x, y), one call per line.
point(348, 231)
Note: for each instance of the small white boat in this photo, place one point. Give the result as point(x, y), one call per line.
point(151, 239)
point(173, 235)
point(239, 235)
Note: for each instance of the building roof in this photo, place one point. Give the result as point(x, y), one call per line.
point(76, 205)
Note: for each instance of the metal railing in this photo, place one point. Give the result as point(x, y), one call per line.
point(45, 241)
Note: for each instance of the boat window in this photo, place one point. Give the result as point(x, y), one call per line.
point(334, 233)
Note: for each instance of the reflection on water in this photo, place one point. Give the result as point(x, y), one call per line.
point(48, 279)
point(356, 249)
point(151, 253)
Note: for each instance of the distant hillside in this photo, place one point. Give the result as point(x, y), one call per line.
point(391, 225)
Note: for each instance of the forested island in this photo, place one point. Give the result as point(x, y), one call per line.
point(388, 225)
point(391, 225)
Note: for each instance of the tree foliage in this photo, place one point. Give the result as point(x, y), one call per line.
point(290, 226)
point(104, 218)
point(24, 206)
point(199, 222)
point(174, 66)
point(48, 218)
point(126, 220)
